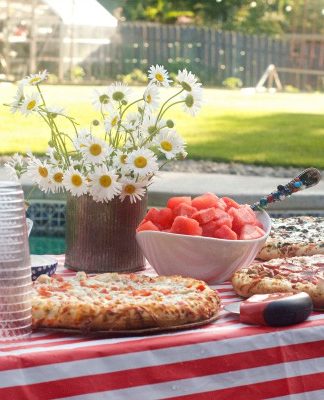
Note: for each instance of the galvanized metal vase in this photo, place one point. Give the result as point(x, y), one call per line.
point(100, 237)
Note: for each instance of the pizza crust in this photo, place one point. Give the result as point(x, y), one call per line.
point(132, 302)
point(294, 236)
point(257, 279)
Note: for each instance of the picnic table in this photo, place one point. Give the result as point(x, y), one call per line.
point(222, 360)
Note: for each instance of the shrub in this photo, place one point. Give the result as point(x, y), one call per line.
point(232, 83)
point(136, 77)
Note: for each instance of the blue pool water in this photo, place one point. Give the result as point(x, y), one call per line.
point(46, 245)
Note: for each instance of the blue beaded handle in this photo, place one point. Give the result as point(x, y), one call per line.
point(308, 178)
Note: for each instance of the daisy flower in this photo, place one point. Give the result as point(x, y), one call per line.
point(95, 150)
point(75, 182)
point(187, 80)
point(103, 184)
point(119, 92)
point(18, 98)
point(142, 162)
point(133, 190)
point(56, 179)
point(152, 97)
point(35, 79)
point(101, 100)
point(159, 75)
point(15, 166)
point(149, 126)
point(192, 101)
point(55, 111)
point(30, 103)
point(120, 160)
point(112, 120)
point(38, 172)
point(81, 139)
point(131, 121)
point(170, 143)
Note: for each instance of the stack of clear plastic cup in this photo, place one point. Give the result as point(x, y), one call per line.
point(15, 266)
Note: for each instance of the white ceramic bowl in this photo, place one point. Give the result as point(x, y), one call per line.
point(209, 259)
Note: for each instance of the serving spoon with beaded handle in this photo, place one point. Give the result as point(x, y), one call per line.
point(308, 178)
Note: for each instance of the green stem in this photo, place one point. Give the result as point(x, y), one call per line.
point(53, 136)
point(116, 141)
point(176, 102)
point(164, 104)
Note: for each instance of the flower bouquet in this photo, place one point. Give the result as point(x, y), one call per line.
point(106, 175)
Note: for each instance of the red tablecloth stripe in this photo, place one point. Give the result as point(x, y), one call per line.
point(158, 374)
point(188, 356)
point(264, 390)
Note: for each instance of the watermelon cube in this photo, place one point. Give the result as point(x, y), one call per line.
point(230, 203)
point(209, 228)
point(152, 215)
point(204, 216)
point(242, 216)
point(222, 205)
point(186, 226)
point(222, 218)
point(184, 210)
point(161, 218)
point(224, 232)
point(249, 232)
point(165, 218)
point(174, 201)
point(147, 226)
point(204, 201)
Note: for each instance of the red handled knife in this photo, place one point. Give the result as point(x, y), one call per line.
point(275, 309)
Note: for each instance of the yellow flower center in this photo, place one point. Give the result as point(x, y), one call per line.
point(159, 77)
point(148, 98)
point(58, 177)
point(43, 172)
point(114, 121)
point(140, 162)
point(123, 158)
point(35, 80)
point(167, 146)
point(129, 189)
point(76, 180)
point(95, 149)
point(105, 181)
point(31, 105)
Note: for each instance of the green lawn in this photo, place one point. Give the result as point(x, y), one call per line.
point(275, 129)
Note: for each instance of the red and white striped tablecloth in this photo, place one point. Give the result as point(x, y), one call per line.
point(223, 360)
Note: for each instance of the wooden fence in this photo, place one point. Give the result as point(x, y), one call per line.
point(213, 55)
point(216, 55)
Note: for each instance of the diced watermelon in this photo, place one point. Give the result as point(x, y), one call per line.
point(209, 228)
point(230, 203)
point(224, 232)
point(161, 218)
point(241, 216)
point(222, 205)
point(204, 201)
point(204, 216)
point(165, 218)
point(152, 215)
point(251, 232)
point(184, 209)
point(174, 201)
point(186, 226)
point(147, 226)
point(222, 218)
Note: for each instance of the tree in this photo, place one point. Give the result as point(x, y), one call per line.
point(266, 16)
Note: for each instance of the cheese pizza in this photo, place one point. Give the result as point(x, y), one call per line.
point(296, 274)
point(116, 302)
point(294, 236)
